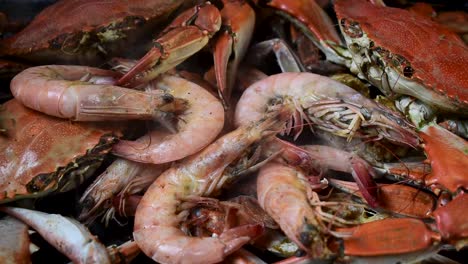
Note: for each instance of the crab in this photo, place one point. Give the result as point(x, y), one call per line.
point(86, 31)
point(393, 57)
point(42, 154)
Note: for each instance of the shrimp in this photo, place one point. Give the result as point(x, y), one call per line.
point(326, 103)
point(83, 93)
point(198, 126)
point(122, 177)
point(67, 235)
point(159, 214)
point(282, 193)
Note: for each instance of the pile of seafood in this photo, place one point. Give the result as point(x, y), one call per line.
point(234, 131)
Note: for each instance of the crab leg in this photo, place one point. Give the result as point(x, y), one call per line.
point(231, 45)
point(124, 253)
point(67, 235)
point(451, 221)
point(185, 36)
point(448, 156)
point(400, 199)
point(388, 236)
point(458, 127)
point(285, 56)
point(15, 246)
point(316, 24)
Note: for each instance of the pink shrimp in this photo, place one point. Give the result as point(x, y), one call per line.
point(327, 104)
point(160, 211)
point(282, 193)
point(84, 94)
point(198, 126)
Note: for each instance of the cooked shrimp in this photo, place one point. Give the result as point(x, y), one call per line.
point(67, 235)
point(282, 193)
point(198, 126)
point(84, 94)
point(122, 177)
point(328, 104)
point(159, 213)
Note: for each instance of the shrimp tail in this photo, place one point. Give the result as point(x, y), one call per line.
point(363, 175)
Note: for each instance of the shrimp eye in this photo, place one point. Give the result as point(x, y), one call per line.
point(366, 113)
point(408, 71)
point(168, 98)
point(355, 48)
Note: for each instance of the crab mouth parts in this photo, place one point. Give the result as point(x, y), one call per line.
point(391, 73)
point(376, 64)
point(74, 173)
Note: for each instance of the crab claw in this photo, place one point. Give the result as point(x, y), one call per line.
point(316, 24)
point(238, 25)
point(448, 156)
point(185, 36)
point(67, 235)
point(285, 56)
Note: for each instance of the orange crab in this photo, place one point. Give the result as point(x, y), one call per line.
point(83, 31)
point(392, 55)
point(42, 154)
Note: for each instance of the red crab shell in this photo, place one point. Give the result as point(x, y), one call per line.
point(437, 55)
point(62, 26)
point(41, 153)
